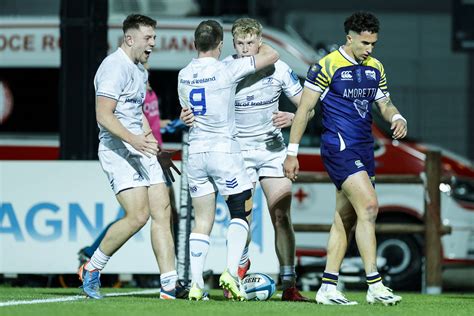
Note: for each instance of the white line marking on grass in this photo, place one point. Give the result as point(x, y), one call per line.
point(74, 298)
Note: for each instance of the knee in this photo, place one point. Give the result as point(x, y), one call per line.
point(371, 210)
point(139, 220)
point(161, 214)
point(240, 205)
point(281, 218)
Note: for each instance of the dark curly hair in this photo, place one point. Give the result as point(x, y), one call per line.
point(361, 21)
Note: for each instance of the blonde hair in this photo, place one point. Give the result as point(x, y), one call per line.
point(246, 26)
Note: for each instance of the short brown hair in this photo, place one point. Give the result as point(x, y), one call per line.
point(134, 21)
point(246, 26)
point(208, 35)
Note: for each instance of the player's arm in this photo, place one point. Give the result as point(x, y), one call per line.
point(147, 130)
point(266, 56)
point(187, 116)
point(307, 103)
point(285, 119)
point(391, 114)
point(105, 108)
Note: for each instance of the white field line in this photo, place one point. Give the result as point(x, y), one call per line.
point(74, 298)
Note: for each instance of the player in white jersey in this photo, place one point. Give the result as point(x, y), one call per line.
point(207, 87)
point(259, 122)
point(127, 153)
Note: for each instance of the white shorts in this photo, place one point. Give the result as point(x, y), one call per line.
point(129, 170)
point(209, 172)
point(261, 162)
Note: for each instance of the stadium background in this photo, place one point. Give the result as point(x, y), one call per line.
point(429, 69)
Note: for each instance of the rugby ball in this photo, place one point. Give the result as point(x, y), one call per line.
point(258, 286)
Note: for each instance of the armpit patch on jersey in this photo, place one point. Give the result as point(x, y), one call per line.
point(313, 72)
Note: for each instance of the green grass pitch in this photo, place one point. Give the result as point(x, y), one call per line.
point(148, 304)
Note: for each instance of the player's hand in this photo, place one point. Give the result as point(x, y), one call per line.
point(145, 143)
point(291, 167)
point(187, 116)
point(282, 119)
point(399, 128)
point(164, 159)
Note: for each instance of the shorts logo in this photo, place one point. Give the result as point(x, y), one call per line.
point(193, 188)
point(359, 164)
point(231, 183)
point(137, 177)
point(362, 107)
point(250, 98)
point(196, 254)
point(370, 74)
point(346, 75)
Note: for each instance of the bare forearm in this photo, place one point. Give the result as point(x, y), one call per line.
point(299, 125)
point(387, 109)
point(304, 113)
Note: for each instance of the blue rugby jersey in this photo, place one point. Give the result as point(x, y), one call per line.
point(348, 90)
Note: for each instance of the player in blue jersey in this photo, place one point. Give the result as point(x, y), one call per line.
point(348, 81)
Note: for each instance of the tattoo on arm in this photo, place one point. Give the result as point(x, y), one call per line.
point(387, 108)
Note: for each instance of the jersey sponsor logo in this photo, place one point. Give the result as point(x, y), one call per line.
point(360, 93)
point(313, 72)
point(346, 75)
point(370, 74)
point(135, 101)
point(358, 164)
point(362, 107)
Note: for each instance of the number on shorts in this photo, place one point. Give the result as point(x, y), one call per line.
point(197, 97)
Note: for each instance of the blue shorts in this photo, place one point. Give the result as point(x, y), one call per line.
point(342, 164)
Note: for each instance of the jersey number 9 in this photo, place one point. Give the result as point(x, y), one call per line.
point(197, 98)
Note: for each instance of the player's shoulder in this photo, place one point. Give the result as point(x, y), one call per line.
point(374, 62)
point(114, 66)
point(332, 57)
point(280, 65)
point(229, 58)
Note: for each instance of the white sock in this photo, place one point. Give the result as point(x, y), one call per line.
point(98, 261)
point(374, 280)
point(329, 281)
point(168, 280)
point(198, 247)
point(236, 240)
point(245, 257)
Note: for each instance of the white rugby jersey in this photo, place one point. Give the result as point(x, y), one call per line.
point(207, 86)
point(120, 79)
point(256, 100)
